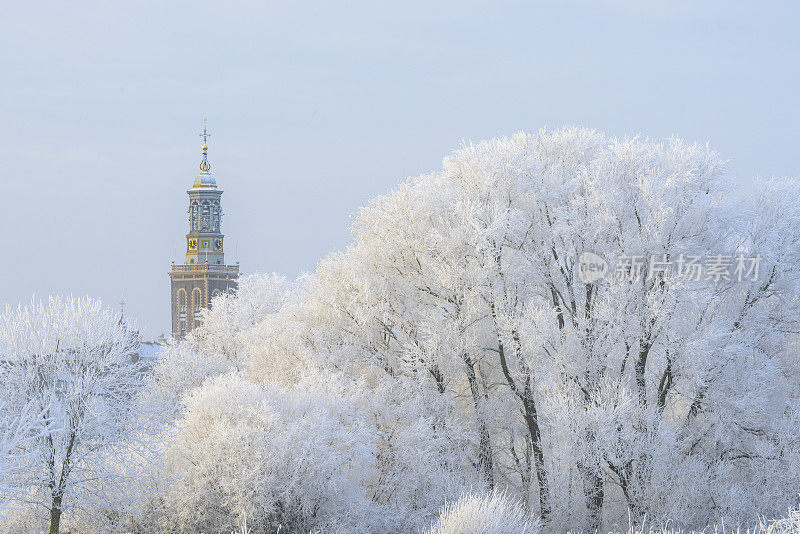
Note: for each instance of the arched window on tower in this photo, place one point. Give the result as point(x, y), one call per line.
point(215, 217)
point(182, 301)
point(205, 218)
point(194, 217)
point(197, 304)
point(182, 311)
point(197, 300)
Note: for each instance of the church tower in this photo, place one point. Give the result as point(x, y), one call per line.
point(204, 275)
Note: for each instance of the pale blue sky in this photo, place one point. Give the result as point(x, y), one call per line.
point(316, 107)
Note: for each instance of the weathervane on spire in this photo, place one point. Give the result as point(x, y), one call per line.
point(205, 135)
point(204, 165)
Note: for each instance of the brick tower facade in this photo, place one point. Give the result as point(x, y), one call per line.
point(204, 275)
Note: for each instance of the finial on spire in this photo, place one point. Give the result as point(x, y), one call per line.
point(205, 166)
point(205, 135)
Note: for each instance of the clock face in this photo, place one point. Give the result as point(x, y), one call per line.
point(193, 244)
point(218, 244)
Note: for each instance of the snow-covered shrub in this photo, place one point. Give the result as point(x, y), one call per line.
point(494, 513)
point(323, 454)
point(181, 368)
point(226, 341)
point(290, 458)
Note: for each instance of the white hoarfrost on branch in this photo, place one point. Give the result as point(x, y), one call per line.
point(229, 339)
point(18, 428)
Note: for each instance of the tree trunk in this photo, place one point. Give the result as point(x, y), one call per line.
point(640, 366)
point(55, 513)
point(525, 394)
point(625, 475)
point(593, 492)
point(532, 421)
point(485, 461)
point(58, 491)
point(592, 475)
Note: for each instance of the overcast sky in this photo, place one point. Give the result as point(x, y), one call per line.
point(316, 107)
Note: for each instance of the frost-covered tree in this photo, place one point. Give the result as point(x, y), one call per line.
point(70, 358)
point(228, 324)
point(470, 351)
point(467, 282)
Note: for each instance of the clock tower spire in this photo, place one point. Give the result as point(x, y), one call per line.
point(204, 274)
